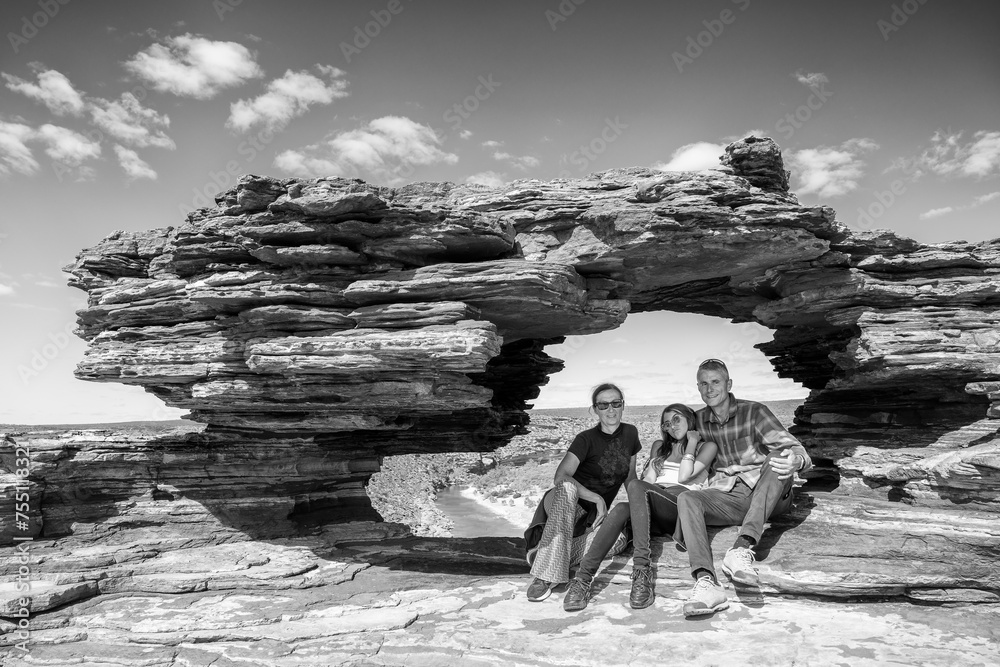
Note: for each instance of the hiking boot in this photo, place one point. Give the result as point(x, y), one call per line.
point(642, 588)
point(707, 597)
point(738, 566)
point(539, 589)
point(577, 596)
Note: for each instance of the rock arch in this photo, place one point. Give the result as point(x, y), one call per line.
point(316, 326)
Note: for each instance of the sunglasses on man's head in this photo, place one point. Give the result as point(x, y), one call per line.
point(604, 405)
point(712, 361)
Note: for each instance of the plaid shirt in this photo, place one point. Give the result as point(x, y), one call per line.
point(745, 437)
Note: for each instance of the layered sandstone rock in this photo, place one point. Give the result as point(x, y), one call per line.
point(316, 326)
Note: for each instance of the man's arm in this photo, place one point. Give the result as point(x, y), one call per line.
point(773, 435)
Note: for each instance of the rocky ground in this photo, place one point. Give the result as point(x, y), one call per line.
point(385, 600)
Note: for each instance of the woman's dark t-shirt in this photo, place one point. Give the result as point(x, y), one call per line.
point(605, 458)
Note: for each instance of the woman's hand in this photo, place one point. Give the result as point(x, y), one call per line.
point(692, 439)
point(602, 511)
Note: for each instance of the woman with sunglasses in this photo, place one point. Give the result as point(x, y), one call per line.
point(678, 462)
point(587, 480)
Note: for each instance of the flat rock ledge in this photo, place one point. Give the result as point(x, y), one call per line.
point(367, 594)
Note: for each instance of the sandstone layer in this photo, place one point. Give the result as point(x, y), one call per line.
point(316, 326)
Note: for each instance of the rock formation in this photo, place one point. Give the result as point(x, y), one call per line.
point(315, 326)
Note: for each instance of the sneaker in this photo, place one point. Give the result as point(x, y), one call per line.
point(539, 589)
point(707, 597)
point(577, 596)
point(642, 588)
point(738, 566)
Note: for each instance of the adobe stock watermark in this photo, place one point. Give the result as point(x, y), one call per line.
point(30, 25)
point(884, 200)
point(95, 136)
point(459, 112)
point(22, 540)
point(796, 119)
point(223, 7)
point(220, 181)
point(564, 11)
point(363, 35)
point(585, 154)
point(901, 13)
point(698, 44)
point(47, 352)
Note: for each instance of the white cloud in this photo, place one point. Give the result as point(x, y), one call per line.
point(523, 162)
point(949, 155)
point(694, 157)
point(976, 202)
point(490, 178)
point(66, 146)
point(387, 148)
point(14, 153)
point(68, 150)
point(491, 143)
point(812, 80)
point(465, 134)
point(936, 212)
point(6, 290)
point(128, 121)
point(134, 166)
point(830, 171)
point(191, 66)
point(287, 98)
point(53, 90)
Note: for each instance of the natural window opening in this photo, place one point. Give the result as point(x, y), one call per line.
point(652, 356)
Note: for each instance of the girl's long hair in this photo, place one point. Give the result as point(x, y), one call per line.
point(668, 440)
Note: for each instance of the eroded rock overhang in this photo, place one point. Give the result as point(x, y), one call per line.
point(413, 319)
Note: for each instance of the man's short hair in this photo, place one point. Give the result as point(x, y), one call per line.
point(713, 365)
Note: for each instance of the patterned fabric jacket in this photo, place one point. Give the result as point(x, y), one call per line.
point(745, 437)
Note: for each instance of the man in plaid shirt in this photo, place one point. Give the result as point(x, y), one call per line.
point(753, 473)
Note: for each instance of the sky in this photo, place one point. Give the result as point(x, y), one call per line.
point(128, 115)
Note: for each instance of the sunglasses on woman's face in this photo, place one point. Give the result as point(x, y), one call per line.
point(673, 421)
point(604, 405)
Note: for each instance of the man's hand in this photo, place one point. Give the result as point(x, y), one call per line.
point(786, 464)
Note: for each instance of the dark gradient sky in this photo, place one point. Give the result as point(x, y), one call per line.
point(886, 89)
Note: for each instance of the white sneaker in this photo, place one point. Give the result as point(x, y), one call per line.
point(707, 597)
point(738, 566)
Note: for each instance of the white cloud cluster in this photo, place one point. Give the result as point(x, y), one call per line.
point(387, 148)
point(812, 80)
point(694, 157)
point(192, 66)
point(125, 120)
point(490, 178)
point(287, 98)
point(66, 146)
point(134, 166)
point(14, 154)
point(128, 121)
point(830, 171)
point(69, 149)
point(53, 90)
point(945, 210)
point(522, 162)
point(950, 155)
